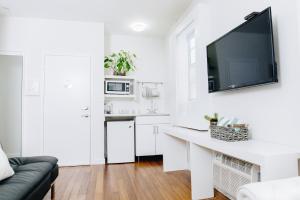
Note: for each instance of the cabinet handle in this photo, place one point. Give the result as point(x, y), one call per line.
point(155, 129)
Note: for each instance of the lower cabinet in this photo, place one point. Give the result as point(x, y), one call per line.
point(149, 136)
point(145, 140)
point(159, 139)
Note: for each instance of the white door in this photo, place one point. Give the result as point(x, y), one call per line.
point(145, 140)
point(67, 109)
point(120, 142)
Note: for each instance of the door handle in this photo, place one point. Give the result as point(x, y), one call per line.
point(155, 129)
point(85, 108)
point(85, 116)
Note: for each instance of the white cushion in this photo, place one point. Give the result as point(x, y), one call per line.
point(282, 189)
point(5, 169)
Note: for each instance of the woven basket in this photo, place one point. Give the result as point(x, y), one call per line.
point(229, 134)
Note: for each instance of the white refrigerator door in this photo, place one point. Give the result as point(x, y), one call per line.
point(120, 142)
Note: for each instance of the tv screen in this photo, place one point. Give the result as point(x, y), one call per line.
point(244, 56)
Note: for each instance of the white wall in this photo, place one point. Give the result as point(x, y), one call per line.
point(189, 113)
point(11, 104)
point(151, 66)
point(35, 38)
point(272, 111)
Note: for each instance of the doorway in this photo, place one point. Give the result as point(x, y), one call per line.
point(11, 77)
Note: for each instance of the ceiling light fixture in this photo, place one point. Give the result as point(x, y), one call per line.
point(138, 27)
point(4, 10)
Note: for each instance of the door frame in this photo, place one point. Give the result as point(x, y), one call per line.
point(20, 53)
point(43, 87)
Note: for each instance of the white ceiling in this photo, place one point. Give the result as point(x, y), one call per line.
point(117, 15)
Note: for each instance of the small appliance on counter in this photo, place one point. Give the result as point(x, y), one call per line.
point(108, 108)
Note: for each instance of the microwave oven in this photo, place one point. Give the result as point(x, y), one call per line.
point(117, 87)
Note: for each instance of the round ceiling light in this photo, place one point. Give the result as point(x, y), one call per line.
point(4, 10)
point(138, 27)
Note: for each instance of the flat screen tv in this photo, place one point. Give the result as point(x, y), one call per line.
point(243, 57)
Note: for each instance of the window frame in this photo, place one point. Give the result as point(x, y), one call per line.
point(192, 35)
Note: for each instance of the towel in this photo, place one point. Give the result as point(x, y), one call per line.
point(286, 189)
point(223, 121)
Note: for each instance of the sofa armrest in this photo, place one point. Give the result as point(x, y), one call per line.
point(26, 160)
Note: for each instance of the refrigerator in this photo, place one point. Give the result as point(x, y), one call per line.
point(120, 142)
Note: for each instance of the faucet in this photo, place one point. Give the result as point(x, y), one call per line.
point(153, 109)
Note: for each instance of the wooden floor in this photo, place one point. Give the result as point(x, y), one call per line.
point(137, 181)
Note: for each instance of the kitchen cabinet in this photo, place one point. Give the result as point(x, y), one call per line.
point(149, 135)
point(159, 138)
point(145, 140)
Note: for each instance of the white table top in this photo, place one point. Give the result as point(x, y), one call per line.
point(253, 151)
point(135, 115)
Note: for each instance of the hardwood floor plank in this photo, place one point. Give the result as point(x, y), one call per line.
point(134, 181)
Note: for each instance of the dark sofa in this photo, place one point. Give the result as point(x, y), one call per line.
point(33, 178)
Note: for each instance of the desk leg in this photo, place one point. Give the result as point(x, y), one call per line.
point(175, 154)
point(279, 167)
point(201, 163)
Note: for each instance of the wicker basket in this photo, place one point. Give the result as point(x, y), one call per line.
point(229, 134)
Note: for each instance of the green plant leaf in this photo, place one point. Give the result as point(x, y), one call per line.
point(120, 62)
point(106, 65)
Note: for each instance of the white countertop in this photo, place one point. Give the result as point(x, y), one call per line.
point(135, 115)
point(254, 151)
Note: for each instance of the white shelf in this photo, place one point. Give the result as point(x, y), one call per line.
point(120, 115)
point(119, 77)
point(150, 82)
point(136, 115)
point(119, 96)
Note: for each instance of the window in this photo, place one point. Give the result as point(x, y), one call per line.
point(193, 71)
point(187, 70)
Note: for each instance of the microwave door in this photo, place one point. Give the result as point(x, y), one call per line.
point(115, 87)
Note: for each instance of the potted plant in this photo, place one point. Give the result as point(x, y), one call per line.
point(213, 120)
point(121, 63)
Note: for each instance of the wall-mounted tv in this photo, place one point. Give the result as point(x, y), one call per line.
point(243, 57)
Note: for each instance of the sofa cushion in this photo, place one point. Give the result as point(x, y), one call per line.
point(30, 173)
point(5, 169)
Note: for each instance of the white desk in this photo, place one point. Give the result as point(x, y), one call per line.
point(186, 148)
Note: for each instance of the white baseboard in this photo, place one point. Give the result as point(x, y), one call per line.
point(98, 162)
